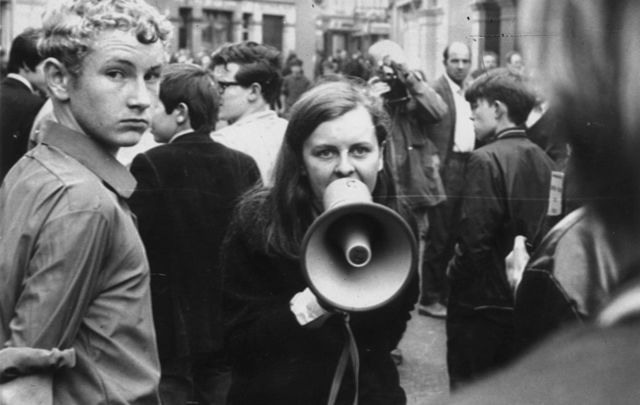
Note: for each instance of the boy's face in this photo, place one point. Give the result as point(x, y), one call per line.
point(112, 97)
point(484, 117)
point(163, 125)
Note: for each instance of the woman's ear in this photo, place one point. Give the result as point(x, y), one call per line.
point(57, 78)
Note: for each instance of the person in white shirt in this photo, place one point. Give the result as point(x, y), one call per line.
point(249, 79)
point(454, 137)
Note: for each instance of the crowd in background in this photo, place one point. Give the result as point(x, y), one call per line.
point(170, 270)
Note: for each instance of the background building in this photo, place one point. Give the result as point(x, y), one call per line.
point(352, 25)
point(425, 27)
point(310, 27)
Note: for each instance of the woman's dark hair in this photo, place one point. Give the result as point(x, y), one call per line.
point(290, 202)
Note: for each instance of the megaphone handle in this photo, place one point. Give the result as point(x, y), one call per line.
point(349, 350)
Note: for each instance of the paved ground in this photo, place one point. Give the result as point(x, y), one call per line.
point(423, 372)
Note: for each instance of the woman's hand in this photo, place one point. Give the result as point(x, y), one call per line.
point(307, 309)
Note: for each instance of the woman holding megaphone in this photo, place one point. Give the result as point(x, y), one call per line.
point(286, 344)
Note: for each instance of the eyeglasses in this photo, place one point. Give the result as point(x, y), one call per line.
point(222, 85)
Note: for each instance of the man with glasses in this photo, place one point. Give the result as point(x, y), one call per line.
point(248, 76)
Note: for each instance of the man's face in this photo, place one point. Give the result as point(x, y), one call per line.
point(458, 63)
point(516, 64)
point(296, 70)
point(489, 62)
point(234, 98)
point(483, 115)
point(119, 80)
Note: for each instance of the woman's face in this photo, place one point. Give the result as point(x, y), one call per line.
point(344, 147)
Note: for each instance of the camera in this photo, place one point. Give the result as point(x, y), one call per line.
point(390, 74)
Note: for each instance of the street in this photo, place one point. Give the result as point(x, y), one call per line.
point(423, 372)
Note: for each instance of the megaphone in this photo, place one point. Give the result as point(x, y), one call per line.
point(358, 255)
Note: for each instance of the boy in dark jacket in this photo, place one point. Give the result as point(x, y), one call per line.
point(186, 193)
point(506, 192)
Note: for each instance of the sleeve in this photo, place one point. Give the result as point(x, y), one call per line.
point(63, 277)
point(257, 315)
point(481, 215)
point(428, 101)
point(145, 201)
point(248, 173)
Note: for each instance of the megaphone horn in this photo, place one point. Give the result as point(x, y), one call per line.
point(358, 255)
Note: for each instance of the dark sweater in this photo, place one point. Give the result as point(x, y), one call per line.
point(277, 361)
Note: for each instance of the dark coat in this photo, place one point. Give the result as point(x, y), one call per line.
point(442, 131)
point(186, 193)
point(18, 108)
point(506, 194)
point(277, 361)
point(414, 157)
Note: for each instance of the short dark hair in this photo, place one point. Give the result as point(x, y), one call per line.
point(194, 86)
point(507, 87)
point(258, 64)
point(24, 51)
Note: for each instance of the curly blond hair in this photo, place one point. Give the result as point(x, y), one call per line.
point(71, 26)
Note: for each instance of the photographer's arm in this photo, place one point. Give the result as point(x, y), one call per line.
point(427, 99)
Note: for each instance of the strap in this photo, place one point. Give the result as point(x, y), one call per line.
point(349, 351)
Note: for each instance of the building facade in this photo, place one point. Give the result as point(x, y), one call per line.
point(201, 25)
point(352, 25)
point(205, 25)
point(425, 27)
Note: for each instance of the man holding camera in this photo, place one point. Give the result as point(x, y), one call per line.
point(412, 105)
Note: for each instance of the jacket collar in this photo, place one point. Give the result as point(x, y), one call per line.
point(513, 132)
point(89, 153)
point(22, 80)
point(192, 136)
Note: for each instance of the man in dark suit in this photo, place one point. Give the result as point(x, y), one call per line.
point(454, 137)
point(19, 98)
point(184, 199)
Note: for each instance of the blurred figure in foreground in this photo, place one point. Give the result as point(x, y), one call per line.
point(591, 76)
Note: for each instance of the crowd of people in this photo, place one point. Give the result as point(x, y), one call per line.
point(176, 277)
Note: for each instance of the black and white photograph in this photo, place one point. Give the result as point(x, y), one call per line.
point(319, 202)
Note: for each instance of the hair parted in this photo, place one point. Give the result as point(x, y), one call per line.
point(290, 202)
point(24, 51)
point(194, 86)
point(258, 63)
point(71, 27)
point(505, 86)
